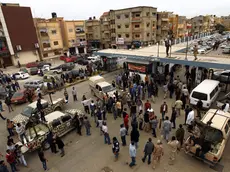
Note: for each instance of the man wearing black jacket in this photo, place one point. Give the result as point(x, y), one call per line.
point(116, 148)
point(135, 136)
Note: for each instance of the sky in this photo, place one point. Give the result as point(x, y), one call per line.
point(83, 9)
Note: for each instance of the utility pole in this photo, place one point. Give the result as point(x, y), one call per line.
point(186, 55)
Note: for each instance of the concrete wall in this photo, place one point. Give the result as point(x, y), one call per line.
point(25, 57)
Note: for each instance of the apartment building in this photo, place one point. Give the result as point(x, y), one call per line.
point(182, 27)
point(173, 25)
point(93, 32)
point(18, 39)
point(225, 20)
point(75, 36)
point(133, 26)
point(105, 30)
point(50, 35)
point(162, 26)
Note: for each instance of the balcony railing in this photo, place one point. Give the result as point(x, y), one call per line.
point(46, 45)
point(44, 34)
point(136, 19)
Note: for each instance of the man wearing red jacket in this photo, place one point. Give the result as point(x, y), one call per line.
point(10, 158)
point(147, 105)
point(126, 123)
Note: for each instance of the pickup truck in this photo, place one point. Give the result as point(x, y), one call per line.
point(31, 110)
point(209, 137)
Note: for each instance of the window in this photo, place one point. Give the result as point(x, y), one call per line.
point(147, 14)
point(118, 16)
point(147, 25)
point(55, 42)
point(226, 128)
point(148, 34)
point(137, 36)
point(72, 41)
point(153, 34)
point(80, 40)
point(153, 24)
point(126, 15)
point(126, 26)
point(127, 35)
point(119, 35)
point(137, 26)
point(54, 31)
point(137, 15)
point(154, 14)
point(118, 26)
point(45, 55)
point(200, 96)
point(70, 30)
point(212, 94)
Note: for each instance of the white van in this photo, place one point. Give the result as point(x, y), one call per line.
point(207, 91)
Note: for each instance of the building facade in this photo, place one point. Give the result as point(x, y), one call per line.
point(105, 30)
point(75, 36)
point(93, 32)
point(162, 26)
point(18, 39)
point(182, 30)
point(50, 35)
point(133, 26)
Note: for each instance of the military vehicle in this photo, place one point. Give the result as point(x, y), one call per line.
point(59, 123)
point(31, 110)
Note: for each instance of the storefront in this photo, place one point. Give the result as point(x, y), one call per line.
point(78, 48)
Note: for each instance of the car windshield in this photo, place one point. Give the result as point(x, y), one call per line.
point(17, 94)
point(27, 111)
point(199, 96)
point(108, 88)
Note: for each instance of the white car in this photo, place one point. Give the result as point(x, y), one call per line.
point(223, 45)
point(21, 75)
point(94, 59)
point(45, 68)
point(201, 51)
point(226, 50)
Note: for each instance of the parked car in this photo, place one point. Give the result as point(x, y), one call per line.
point(226, 50)
point(82, 61)
point(21, 75)
point(65, 67)
point(32, 64)
point(222, 76)
point(23, 70)
point(33, 71)
point(20, 96)
point(94, 59)
point(33, 84)
point(220, 102)
point(201, 51)
point(68, 59)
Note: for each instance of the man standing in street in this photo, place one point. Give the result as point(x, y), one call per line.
point(187, 110)
point(116, 148)
point(74, 93)
point(190, 118)
point(148, 150)
point(87, 126)
point(42, 159)
point(167, 46)
point(60, 145)
point(178, 106)
point(173, 117)
point(180, 135)
point(163, 109)
point(106, 134)
point(167, 126)
point(10, 158)
point(123, 133)
point(135, 136)
point(199, 107)
point(174, 144)
point(195, 51)
point(132, 153)
point(20, 129)
point(8, 103)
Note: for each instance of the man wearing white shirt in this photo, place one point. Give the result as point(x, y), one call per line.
point(106, 134)
point(226, 107)
point(190, 118)
point(20, 129)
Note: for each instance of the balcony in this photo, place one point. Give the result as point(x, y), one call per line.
point(90, 31)
point(47, 49)
point(136, 30)
point(164, 19)
point(164, 28)
point(44, 34)
point(106, 31)
point(89, 23)
point(136, 19)
point(106, 23)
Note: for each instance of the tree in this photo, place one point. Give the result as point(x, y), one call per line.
point(221, 28)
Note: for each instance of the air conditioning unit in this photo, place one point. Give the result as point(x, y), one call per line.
point(36, 45)
point(18, 47)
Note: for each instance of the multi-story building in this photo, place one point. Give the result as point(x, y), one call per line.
point(93, 32)
point(162, 26)
point(132, 26)
point(18, 39)
point(197, 24)
point(225, 20)
point(50, 36)
point(173, 25)
point(182, 27)
point(75, 36)
point(105, 30)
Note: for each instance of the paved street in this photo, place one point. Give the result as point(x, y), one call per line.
point(89, 154)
